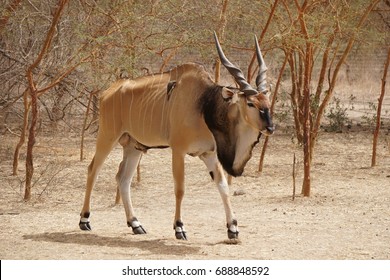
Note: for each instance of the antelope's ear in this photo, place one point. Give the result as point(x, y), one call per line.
point(229, 95)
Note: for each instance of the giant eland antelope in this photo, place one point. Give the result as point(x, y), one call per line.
point(185, 110)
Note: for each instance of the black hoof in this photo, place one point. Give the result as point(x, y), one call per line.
point(181, 235)
point(232, 234)
point(139, 230)
point(85, 226)
point(136, 226)
point(179, 231)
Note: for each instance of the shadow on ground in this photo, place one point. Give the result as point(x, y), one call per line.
point(155, 246)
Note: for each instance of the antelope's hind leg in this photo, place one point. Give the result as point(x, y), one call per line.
point(127, 168)
point(216, 173)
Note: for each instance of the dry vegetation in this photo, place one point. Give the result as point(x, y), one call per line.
point(347, 215)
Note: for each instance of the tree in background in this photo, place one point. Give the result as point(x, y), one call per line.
point(308, 31)
point(94, 41)
point(379, 109)
point(48, 70)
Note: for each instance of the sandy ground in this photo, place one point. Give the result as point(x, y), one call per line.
point(346, 217)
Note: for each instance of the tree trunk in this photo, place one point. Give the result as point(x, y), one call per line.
point(33, 91)
point(30, 145)
point(22, 138)
point(307, 65)
point(306, 139)
point(379, 110)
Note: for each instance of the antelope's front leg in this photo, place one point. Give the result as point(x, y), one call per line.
point(217, 174)
point(178, 176)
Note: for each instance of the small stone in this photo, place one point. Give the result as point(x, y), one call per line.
point(238, 192)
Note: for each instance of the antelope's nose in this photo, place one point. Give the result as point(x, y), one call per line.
point(270, 129)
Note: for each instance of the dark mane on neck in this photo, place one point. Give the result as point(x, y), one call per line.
point(214, 110)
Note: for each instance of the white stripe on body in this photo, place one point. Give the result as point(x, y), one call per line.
point(131, 109)
point(162, 130)
point(151, 102)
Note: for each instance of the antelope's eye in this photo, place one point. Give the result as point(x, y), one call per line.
point(251, 105)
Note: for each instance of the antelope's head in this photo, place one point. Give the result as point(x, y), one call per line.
point(247, 103)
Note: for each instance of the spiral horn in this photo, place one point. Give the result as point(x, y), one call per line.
point(237, 74)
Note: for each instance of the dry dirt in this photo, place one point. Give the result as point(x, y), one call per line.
point(346, 217)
